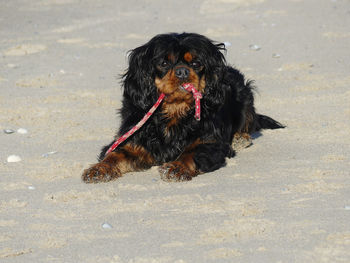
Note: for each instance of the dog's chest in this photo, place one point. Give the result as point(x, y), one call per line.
point(176, 108)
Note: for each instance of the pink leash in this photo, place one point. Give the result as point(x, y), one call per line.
point(197, 96)
point(189, 87)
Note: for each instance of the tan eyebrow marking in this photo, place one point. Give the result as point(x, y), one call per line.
point(188, 57)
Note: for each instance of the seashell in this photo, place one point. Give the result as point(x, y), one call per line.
point(22, 131)
point(13, 159)
point(106, 226)
point(227, 44)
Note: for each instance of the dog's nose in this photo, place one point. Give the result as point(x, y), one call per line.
point(182, 73)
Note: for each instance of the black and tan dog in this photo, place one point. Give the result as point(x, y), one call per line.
point(172, 138)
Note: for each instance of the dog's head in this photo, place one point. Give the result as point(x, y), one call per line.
point(169, 60)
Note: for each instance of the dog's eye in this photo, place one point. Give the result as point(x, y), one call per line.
point(195, 64)
point(164, 64)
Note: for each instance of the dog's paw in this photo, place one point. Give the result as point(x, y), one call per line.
point(100, 172)
point(174, 172)
point(241, 141)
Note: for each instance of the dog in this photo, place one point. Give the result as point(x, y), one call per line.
point(181, 145)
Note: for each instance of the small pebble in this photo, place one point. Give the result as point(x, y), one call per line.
point(275, 55)
point(254, 47)
point(106, 226)
point(48, 153)
point(31, 187)
point(22, 131)
point(12, 66)
point(13, 159)
point(8, 131)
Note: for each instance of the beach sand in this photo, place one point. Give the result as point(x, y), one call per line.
point(284, 199)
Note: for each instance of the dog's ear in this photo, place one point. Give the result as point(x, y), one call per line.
point(215, 62)
point(215, 67)
point(138, 80)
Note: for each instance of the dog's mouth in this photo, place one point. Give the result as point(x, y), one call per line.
point(182, 86)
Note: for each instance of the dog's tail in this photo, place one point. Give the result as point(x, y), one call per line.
point(265, 122)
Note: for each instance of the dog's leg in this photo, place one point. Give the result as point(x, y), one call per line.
point(183, 169)
point(242, 138)
point(198, 158)
point(126, 159)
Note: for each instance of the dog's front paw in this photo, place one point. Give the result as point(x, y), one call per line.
point(100, 172)
point(174, 172)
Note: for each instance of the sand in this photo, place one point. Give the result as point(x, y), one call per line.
point(284, 199)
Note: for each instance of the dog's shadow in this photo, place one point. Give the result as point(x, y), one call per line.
point(256, 135)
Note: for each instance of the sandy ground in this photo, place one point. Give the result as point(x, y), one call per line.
point(284, 199)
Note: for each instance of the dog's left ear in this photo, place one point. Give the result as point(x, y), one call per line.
point(215, 69)
point(216, 62)
point(138, 80)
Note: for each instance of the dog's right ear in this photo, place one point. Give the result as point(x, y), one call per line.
point(138, 65)
point(138, 80)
